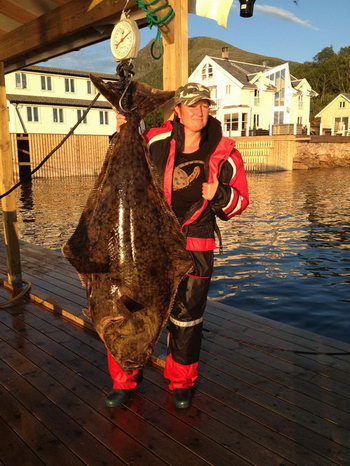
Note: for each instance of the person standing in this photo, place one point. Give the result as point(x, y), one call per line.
point(203, 177)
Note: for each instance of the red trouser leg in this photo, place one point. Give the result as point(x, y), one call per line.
point(121, 380)
point(180, 375)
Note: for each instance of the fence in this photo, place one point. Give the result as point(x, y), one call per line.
point(267, 153)
point(80, 155)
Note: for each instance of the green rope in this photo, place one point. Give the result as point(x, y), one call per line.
point(154, 19)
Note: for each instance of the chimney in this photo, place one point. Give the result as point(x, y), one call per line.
point(224, 53)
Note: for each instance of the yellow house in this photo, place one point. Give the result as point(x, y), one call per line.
point(335, 116)
point(255, 99)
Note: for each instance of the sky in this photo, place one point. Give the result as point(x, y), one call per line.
point(278, 28)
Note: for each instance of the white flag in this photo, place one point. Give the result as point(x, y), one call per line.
point(213, 9)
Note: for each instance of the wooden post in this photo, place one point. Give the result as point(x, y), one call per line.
point(175, 58)
point(8, 203)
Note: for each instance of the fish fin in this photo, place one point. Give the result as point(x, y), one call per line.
point(145, 98)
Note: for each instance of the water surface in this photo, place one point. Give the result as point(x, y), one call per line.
point(287, 257)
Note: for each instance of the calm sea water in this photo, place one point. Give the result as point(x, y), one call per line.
point(287, 257)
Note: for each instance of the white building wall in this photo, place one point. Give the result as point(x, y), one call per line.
point(58, 86)
point(46, 124)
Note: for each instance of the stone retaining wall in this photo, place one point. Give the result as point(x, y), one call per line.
point(310, 154)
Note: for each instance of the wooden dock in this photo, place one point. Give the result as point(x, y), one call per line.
point(251, 405)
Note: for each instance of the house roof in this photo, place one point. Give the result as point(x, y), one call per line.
point(244, 72)
point(345, 96)
point(240, 70)
point(30, 99)
point(66, 72)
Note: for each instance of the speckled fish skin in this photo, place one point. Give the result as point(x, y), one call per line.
point(128, 248)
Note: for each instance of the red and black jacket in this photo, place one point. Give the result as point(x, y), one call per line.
point(222, 160)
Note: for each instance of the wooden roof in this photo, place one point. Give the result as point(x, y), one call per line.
point(32, 31)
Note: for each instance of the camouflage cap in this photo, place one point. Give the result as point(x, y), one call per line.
point(191, 93)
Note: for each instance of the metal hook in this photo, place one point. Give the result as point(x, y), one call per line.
point(121, 99)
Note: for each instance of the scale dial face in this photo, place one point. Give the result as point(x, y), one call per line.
point(125, 39)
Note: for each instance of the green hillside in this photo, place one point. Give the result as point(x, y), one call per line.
point(150, 71)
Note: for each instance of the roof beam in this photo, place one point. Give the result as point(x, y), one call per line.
point(15, 12)
point(59, 24)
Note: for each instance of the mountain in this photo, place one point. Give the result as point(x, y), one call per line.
point(150, 71)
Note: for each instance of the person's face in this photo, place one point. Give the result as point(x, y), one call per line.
point(194, 117)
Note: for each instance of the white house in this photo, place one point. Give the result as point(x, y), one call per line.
point(51, 100)
point(254, 97)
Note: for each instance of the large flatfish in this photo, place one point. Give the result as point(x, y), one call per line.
point(128, 248)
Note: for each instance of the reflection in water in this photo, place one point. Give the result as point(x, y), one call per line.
point(287, 257)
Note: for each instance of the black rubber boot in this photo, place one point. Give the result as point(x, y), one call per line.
point(182, 398)
point(118, 396)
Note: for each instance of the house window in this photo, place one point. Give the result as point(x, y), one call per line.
point(32, 114)
point(256, 121)
point(300, 120)
point(228, 88)
point(79, 115)
point(279, 80)
point(213, 92)
point(103, 118)
point(256, 97)
point(21, 81)
point(300, 101)
point(69, 85)
point(57, 115)
point(278, 118)
point(231, 122)
point(46, 83)
point(341, 124)
point(207, 71)
point(342, 104)
point(88, 87)
point(204, 72)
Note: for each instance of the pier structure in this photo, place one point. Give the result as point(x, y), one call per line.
point(252, 405)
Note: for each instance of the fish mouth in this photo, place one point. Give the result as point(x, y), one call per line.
point(109, 321)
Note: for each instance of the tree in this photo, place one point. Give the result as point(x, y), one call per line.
point(326, 54)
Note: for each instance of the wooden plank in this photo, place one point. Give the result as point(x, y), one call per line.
point(175, 58)
point(293, 342)
point(257, 321)
point(221, 399)
point(337, 377)
point(32, 432)
point(16, 12)
point(84, 445)
point(13, 449)
point(107, 432)
point(273, 421)
point(243, 446)
point(266, 440)
point(132, 419)
point(59, 24)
